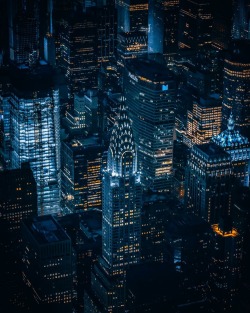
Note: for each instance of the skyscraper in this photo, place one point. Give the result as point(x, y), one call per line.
point(204, 121)
point(132, 25)
point(47, 264)
point(239, 149)
point(24, 31)
point(79, 50)
point(81, 174)
point(121, 218)
point(241, 20)
point(35, 127)
point(49, 40)
point(208, 182)
point(195, 25)
point(236, 86)
point(121, 196)
point(155, 26)
point(132, 15)
point(150, 97)
point(226, 264)
point(18, 201)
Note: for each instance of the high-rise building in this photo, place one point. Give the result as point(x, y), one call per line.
point(236, 86)
point(222, 24)
point(171, 23)
point(49, 40)
point(121, 196)
point(241, 19)
point(132, 25)
point(208, 182)
point(238, 147)
point(81, 174)
point(189, 237)
point(79, 51)
point(130, 46)
point(106, 32)
point(163, 21)
point(121, 226)
point(47, 264)
point(132, 15)
point(155, 26)
point(35, 132)
point(226, 265)
point(150, 97)
point(204, 121)
point(18, 201)
point(24, 31)
point(195, 26)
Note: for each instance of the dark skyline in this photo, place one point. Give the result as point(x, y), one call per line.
point(124, 156)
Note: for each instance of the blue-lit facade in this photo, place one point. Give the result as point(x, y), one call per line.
point(239, 149)
point(35, 138)
point(121, 200)
point(155, 26)
point(121, 219)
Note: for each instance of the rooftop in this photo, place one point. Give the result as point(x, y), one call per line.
point(46, 230)
point(83, 143)
point(149, 69)
point(211, 150)
point(26, 80)
point(230, 137)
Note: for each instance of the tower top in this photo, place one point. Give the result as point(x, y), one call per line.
point(122, 145)
point(230, 123)
point(230, 137)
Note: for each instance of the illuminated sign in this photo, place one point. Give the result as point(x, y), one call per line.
point(164, 87)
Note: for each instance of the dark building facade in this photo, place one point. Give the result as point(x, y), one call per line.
point(195, 26)
point(24, 31)
point(47, 264)
point(208, 182)
point(18, 201)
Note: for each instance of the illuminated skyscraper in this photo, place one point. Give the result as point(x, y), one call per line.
point(132, 25)
point(150, 97)
point(35, 133)
point(195, 24)
point(132, 15)
point(81, 174)
point(204, 121)
point(238, 147)
point(208, 182)
point(79, 51)
point(122, 201)
point(236, 86)
point(130, 46)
